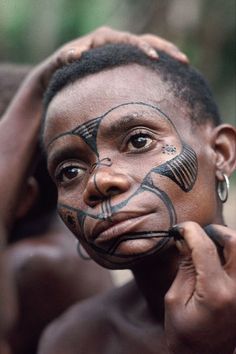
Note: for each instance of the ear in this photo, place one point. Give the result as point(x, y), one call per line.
point(28, 197)
point(225, 149)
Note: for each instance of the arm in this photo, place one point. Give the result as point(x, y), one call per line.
point(7, 299)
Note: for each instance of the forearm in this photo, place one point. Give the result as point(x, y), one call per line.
point(19, 129)
point(7, 293)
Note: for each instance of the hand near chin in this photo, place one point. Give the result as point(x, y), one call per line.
point(200, 306)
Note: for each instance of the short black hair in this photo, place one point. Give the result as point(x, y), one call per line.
point(185, 81)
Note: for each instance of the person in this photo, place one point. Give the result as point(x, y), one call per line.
point(141, 161)
point(36, 256)
point(41, 250)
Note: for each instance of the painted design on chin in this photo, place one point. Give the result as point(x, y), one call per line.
point(139, 236)
point(109, 248)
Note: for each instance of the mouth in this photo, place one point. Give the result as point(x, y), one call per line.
point(118, 224)
point(109, 234)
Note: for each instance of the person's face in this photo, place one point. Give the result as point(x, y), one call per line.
point(127, 163)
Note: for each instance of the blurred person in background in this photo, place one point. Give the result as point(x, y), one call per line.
point(41, 253)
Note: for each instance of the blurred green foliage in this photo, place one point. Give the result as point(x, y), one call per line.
point(204, 29)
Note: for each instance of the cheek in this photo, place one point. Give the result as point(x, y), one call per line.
point(70, 219)
point(72, 196)
point(197, 205)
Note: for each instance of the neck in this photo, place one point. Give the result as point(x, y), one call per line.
point(154, 277)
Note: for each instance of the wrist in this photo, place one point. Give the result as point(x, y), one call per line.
point(27, 103)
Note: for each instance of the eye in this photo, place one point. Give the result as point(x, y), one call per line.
point(68, 172)
point(139, 141)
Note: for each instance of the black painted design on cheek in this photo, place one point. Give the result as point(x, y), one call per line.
point(182, 169)
point(148, 185)
point(140, 236)
point(69, 217)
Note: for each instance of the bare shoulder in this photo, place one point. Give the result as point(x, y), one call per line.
point(56, 265)
point(89, 326)
point(49, 278)
point(30, 260)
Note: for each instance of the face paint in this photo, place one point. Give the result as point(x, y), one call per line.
point(181, 169)
point(107, 209)
point(103, 162)
point(169, 149)
point(89, 131)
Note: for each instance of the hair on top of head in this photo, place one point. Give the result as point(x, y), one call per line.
point(185, 81)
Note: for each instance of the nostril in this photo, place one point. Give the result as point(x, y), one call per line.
point(112, 191)
point(94, 198)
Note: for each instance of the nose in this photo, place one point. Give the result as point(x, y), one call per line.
point(105, 183)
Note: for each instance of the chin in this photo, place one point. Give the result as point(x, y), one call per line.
point(129, 253)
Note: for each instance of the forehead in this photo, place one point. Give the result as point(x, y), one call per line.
point(95, 94)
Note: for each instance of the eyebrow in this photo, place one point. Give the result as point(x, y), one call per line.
point(62, 154)
point(122, 124)
point(119, 125)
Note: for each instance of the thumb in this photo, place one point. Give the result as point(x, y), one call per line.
point(184, 283)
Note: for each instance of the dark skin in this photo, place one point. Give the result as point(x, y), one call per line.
point(176, 300)
point(22, 150)
point(7, 299)
point(44, 267)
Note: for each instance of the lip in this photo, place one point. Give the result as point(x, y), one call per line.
point(120, 224)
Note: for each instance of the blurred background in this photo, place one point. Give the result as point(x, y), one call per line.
point(204, 29)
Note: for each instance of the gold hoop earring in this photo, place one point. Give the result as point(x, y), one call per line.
point(223, 189)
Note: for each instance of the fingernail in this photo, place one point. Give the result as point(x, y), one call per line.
point(152, 53)
point(180, 245)
point(70, 55)
point(183, 57)
point(176, 232)
point(71, 51)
